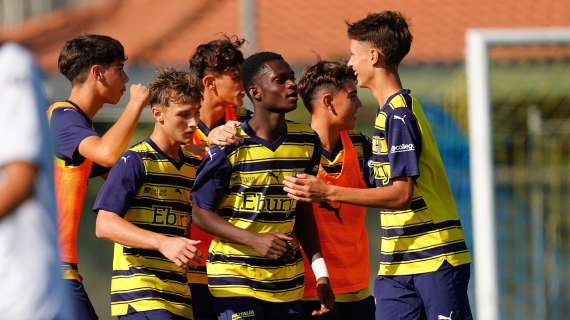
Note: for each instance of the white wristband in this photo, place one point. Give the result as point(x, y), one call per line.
point(320, 268)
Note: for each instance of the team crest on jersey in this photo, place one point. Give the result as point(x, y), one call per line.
point(381, 171)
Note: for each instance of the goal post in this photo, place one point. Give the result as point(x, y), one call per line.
point(478, 43)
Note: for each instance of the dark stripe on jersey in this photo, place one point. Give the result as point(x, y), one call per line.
point(149, 294)
point(163, 229)
point(149, 203)
point(281, 217)
point(418, 229)
point(424, 254)
point(151, 178)
point(266, 190)
point(253, 261)
point(270, 163)
point(162, 275)
point(335, 168)
point(417, 204)
point(273, 285)
point(145, 253)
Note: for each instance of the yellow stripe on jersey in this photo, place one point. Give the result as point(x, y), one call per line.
point(145, 279)
point(346, 297)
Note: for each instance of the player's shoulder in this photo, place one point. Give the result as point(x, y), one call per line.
point(299, 128)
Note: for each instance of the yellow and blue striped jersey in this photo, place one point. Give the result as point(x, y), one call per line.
point(152, 191)
point(419, 239)
point(332, 161)
point(244, 184)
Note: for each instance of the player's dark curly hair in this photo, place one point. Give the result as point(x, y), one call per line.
point(252, 65)
point(217, 56)
point(176, 86)
point(78, 55)
point(323, 74)
point(387, 31)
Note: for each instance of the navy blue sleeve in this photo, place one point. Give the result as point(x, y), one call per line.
point(212, 179)
point(313, 167)
point(367, 154)
point(69, 127)
point(125, 178)
point(404, 143)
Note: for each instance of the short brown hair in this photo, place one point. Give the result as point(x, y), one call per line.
point(387, 31)
point(217, 56)
point(323, 74)
point(81, 53)
point(176, 86)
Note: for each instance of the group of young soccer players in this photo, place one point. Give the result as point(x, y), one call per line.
point(224, 213)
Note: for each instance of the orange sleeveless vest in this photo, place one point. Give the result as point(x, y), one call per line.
point(195, 232)
point(342, 231)
point(70, 191)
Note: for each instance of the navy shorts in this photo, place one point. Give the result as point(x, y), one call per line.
point(254, 309)
point(361, 310)
point(202, 302)
point(82, 307)
point(150, 315)
point(440, 295)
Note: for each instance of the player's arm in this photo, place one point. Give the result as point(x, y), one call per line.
point(111, 226)
point(270, 245)
point(308, 188)
point(404, 165)
point(306, 230)
point(112, 203)
point(17, 185)
point(212, 180)
point(106, 150)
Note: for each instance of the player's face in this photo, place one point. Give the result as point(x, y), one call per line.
point(360, 62)
point(278, 87)
point(346, 104)
point(179, 120)
point(114, 80)
point(229, 88)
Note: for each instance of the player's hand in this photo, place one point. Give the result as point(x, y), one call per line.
point(139, 95)
point(182, 251)
point(225, 134)
point(198, 149)
point(326, 297)
point(305, 187)
point(271, 245)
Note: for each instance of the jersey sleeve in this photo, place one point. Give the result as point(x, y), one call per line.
point(124, 179)
point(313, 167)
point(404, 143)
point(69, 127)
point(366, 156)
point(212, 179)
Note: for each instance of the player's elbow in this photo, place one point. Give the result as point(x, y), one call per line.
point(101, 227)
point(403, 201)
point(107, 158)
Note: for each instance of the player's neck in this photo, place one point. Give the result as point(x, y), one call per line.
point(165, 143)
point(385, 84)
point(268, 126)
point(329, 135)
point(212, 112)
point(86, 99)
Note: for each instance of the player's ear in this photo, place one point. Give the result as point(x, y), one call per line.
point(254, 93)
point(209, 82)
point(375, 56)
point(96, 72)
point(327, 100)
point(157, 113)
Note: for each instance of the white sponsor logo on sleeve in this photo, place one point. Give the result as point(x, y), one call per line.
point(405, 147)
